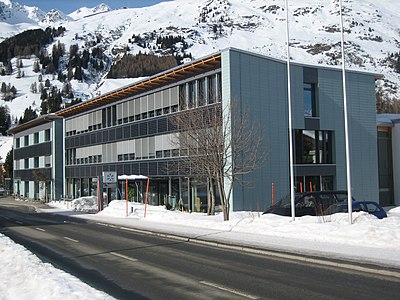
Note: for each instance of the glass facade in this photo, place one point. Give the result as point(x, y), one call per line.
point(313, 147)
point(136, 136)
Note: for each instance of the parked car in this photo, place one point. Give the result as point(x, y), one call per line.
point(308, 203)
point(368, 206)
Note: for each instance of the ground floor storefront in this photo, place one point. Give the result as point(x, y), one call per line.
point(173, 192)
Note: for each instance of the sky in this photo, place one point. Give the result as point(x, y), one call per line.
point(72, 5)
point(24, 276)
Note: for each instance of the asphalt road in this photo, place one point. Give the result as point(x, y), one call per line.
point(128, 264)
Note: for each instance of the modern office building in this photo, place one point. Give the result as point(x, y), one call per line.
point(38, 158)
point(130, 131)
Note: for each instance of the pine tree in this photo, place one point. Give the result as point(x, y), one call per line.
point(44, 108)
point(9, 164)
point(29, 114)
point(36, 67)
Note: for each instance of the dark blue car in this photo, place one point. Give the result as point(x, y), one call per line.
point(370, 207)
point(308, 203)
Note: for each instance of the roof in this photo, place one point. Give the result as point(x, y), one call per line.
point(36, 122)
point(172, 75)
point(387, 120)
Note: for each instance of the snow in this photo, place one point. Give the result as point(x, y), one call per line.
point(368, 240)
point(24, 276)
point(6, 143)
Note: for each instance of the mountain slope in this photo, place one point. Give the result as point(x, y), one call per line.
point(205, 26)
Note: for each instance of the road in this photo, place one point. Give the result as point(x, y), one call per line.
point(130, 264)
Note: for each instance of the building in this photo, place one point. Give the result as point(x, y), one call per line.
point(129, 131)
point(389, 164)
point(38, 158)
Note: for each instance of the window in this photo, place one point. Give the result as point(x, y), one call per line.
point(26, 163)
point(36, 138)
point(313, 147)
point(36, 162)
point(192, 94)
point(47, 161)
point(167, 153)
point(310, 106)
point(17, 143)
point(211, 89)
point(182, 96)
point(47, 135)
point(26, 140)
point(200, 92)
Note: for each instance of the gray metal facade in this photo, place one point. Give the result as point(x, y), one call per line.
point(260, 84)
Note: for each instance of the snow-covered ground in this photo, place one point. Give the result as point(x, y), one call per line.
point(368, 239)
point(24, 276)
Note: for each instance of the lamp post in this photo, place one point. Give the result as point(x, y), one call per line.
point(291, 167)
point(346, 124)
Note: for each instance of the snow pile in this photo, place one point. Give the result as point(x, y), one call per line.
point(24, 276)
point(86, 204)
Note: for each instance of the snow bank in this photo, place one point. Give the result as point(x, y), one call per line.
point(24, 276)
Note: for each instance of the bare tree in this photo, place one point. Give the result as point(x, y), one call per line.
point(219, 145)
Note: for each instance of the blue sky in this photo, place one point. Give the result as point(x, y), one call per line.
point(68, 6)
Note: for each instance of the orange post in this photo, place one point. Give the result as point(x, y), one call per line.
point(310, 186)
point(147, 196)
point(273, 193)
point(301, 187)
point(126, 195)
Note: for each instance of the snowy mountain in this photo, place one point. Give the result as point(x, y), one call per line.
point(13, 13)
point(372, 35)
point(86, 12)
point(53, 17)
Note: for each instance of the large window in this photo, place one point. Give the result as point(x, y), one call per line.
point(314, 147)
point(310, 106)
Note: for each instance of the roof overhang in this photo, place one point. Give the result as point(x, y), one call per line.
point(36, 122)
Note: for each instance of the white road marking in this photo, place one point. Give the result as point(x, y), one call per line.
point(72, 240)
point(18, 222)
point(40, 229)
point(220, 287)
point(123, 256)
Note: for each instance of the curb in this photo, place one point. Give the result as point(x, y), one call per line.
point(299, 258)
